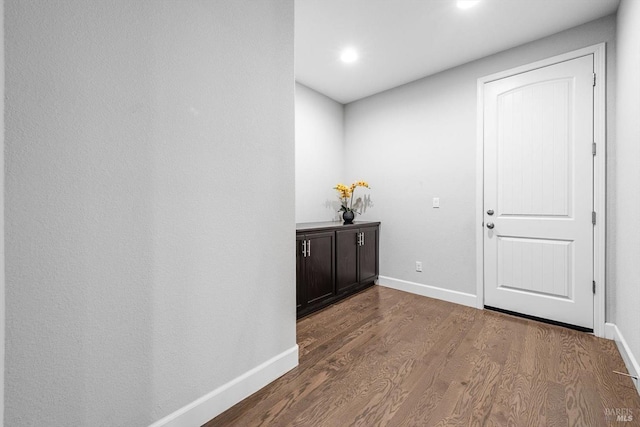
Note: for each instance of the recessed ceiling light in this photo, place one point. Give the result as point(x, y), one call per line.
point(349, 55)
point(466, 4)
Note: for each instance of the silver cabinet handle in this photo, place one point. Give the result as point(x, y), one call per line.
point(304, 248)
point(490, 225)
point(309, 248)
point(362, 238)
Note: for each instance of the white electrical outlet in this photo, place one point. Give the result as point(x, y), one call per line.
point(436, 202)
point(418, 266)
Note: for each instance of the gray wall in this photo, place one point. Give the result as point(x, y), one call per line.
point(2, 221)
point(418, 141)
point(319, 155)
point(626, 170)
point(150, 208)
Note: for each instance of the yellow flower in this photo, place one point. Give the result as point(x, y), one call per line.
point(346, 193)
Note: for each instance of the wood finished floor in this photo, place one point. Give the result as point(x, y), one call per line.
point(388, 358)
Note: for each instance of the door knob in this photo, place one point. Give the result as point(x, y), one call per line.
point(490, 225)
point(490, 212)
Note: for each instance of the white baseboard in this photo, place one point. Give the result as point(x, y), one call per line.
point(612, 332)
point(455, 297)
point(224, 397)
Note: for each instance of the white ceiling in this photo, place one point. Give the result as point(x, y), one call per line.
point(403, 40)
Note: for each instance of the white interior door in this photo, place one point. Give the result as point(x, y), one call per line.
point(538, 192)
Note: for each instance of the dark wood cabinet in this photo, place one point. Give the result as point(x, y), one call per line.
point(357, 250)
point(368, 255)
point(333, 262)
point(315, 268)
point(300, 271)
point(347, 273)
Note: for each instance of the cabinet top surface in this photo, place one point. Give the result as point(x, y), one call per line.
point(332, 225)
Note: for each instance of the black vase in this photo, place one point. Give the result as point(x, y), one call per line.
point(348, 217)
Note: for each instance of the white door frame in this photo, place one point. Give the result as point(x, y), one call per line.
point(599, 177)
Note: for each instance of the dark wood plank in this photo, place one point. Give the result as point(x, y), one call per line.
point(389, 358)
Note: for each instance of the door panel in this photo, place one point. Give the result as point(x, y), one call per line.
point(539, 182)
point(534, 145)
point(320, 265)
point(537, 266)
point(347, 247)
point(368, 251)
point(300, 273)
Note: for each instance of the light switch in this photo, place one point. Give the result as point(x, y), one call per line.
point(436, 202)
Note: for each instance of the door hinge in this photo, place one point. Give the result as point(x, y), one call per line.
point(593, 149)
point(593, 218)
point(594, 287)
point(594, 79)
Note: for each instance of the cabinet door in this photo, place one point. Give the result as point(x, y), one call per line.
point(369, 255)
point(320, 267)
point(347, 263)
point(300, 294)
